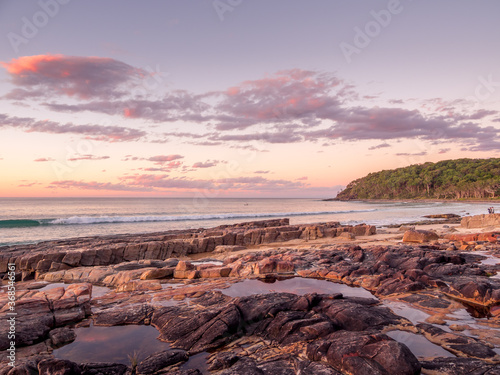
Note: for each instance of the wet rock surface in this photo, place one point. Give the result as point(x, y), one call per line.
point(433, 289)
point(54, 256)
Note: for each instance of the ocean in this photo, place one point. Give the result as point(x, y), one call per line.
point(32, 220)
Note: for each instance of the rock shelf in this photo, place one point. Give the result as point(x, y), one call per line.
point(436, 291)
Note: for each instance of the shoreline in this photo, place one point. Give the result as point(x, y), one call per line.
point(424, 200)
point(128, 236)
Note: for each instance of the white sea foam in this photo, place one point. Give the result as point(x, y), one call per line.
point(79, 220)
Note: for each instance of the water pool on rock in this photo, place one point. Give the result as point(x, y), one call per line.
point(112, 344)
point(97, 291)
point(419, 345)
point(296, 285)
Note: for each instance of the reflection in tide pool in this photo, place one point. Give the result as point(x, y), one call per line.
point(406, 311)
point(97, 291)
point(419, 345)
point(197, 362)
point(296, 285)
point(112, 344)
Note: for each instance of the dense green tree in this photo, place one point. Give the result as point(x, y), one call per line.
point(447, 179)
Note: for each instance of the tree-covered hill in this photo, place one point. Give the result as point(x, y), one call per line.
point(447, 179)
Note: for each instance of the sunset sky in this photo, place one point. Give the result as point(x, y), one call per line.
point(233, 98)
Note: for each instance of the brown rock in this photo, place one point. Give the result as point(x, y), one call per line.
point(480, 221)
point(456, 366)
point(215, 272)
point(184, 266)
point(160, 360)
point(72, 258)
point(347, 235)
point(284, 267)
point(187, 274)
point(228, 248)
point(364, 353)
point(159, 273)
point(460, 345)
point(43, 265)
point(62, 336)
point(139, 285)
point(266, 265)
point(419, 236)
point(442, 216)
point(58, 367)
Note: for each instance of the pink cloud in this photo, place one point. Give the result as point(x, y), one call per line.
point(43, 159)
point(207, 164)
point(73, 76)
point(69, 184)
point(89, 157)
point(28, 184)
point(162, 159)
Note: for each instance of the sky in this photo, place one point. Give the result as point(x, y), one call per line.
point(240, 98)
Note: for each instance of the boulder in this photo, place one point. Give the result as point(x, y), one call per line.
point(103, 369)
point(266, 265)
point(364, 353)
point(62, 336)
point(215, 272)
point(347, 236)
point(160, 360)
point(419, 236)
point(139, 285)
point(442, 216)
point(58, 367)
point(159, 273)
point(72, 259)
point(184, 266)
point(480, 221)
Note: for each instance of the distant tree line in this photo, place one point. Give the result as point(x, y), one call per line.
point(447, 179)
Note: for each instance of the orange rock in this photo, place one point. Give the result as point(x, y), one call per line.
point(266, 265)
point(184, 266)
point(419, 236)
point(284, 267)
point(159, 273)
point(347, 235)
point(186, 274)
point(139, 285)
point(215, 272)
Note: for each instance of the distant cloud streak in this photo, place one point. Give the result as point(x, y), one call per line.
point(94, 132)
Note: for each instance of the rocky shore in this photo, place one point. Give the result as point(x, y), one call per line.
point(262, 297)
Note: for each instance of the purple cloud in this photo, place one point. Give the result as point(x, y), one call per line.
point(162, 159)
point(72, 76)
point(88, 157)
point(94, 132)
point(381, 145)
point(70, 184)
point(207, 164)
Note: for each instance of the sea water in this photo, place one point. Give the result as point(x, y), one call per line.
point(32, 220)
